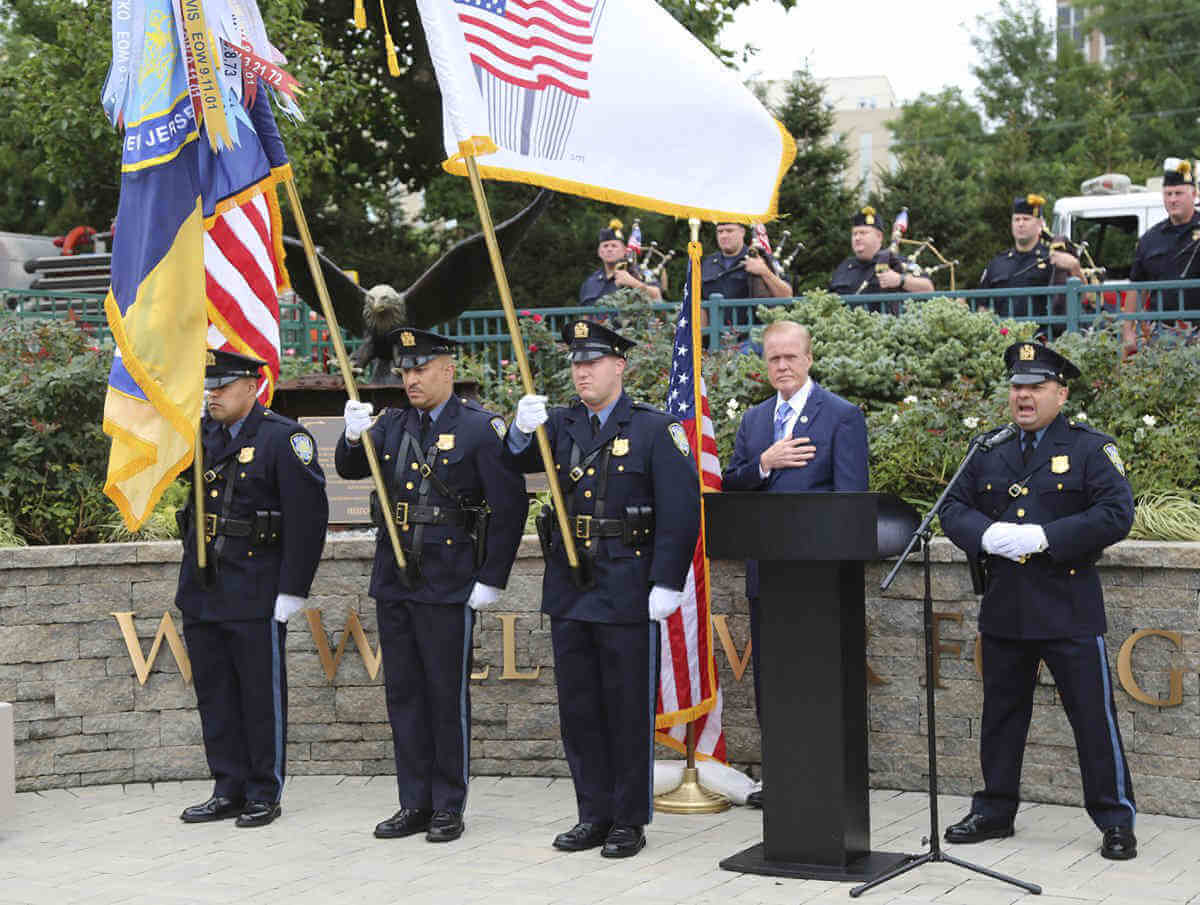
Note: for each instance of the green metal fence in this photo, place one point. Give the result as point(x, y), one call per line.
point(304, 335)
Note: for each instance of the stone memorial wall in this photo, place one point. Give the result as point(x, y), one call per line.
point(91, 652)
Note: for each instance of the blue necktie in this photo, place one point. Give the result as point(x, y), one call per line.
point(781, 417)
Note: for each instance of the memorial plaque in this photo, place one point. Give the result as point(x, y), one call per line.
point(349, 501)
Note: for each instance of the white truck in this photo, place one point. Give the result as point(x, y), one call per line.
point(1110, 214)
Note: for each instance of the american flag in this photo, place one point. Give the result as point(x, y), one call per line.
point(243, 272)
point(761, 239)
point(531, 61)
point(687, 684)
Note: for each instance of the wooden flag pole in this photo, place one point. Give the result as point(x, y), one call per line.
point(690, 797)
point(198, 491)
point(518, 345)
point(335, 334)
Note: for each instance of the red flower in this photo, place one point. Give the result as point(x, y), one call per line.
point(533, 347)
point(524, 314)
point(1004, 331)
point(537, 318)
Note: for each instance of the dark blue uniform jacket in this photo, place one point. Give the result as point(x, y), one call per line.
point(1075, 489)
point(836, 428)
point(1169, 252)
point(652, 471)
point(467, 460)
point(266, 466)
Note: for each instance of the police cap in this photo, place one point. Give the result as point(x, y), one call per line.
point(587, 341)
point(222, 367)
point(411, 347)
point(1030, 204)
point(1178, 172)
point(1030, 362)
point(867, 217)
point(611, 233)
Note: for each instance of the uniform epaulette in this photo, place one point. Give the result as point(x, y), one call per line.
point(646, 407)
point(475, 406)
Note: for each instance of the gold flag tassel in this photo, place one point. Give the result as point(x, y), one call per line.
point(690, 797)
point(389, 44)
point(360, 15)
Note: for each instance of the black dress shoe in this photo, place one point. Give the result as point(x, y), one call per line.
point(976, 827)
point(405, 822)
point(216, 808)
point(624, 842)
point(445, 826)
point(582, 836)
point(258, 813)
point(1119, 844)
point(754, 799)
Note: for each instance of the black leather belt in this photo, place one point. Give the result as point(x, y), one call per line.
point(412, 514)
point(230, 527)
point(587, 527)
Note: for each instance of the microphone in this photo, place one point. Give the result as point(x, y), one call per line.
point(1003, 435)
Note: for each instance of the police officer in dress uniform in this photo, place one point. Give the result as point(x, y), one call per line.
point(633, 502)
point(1032, 261)
point(873, 268)
point(740, 271)
point(460, 510)
point(614, 272)
point(265, 519)
point(1038, 510)
point(1170, 250)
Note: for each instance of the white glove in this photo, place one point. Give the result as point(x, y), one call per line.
point(286, 605)
point(531, 413)
point(482, 596)
point(358, 418)
point(1029, 539)
point(999, 540)
point(663, 602)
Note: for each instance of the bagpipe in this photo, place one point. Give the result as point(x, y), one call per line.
point(890, 257)
point(1092, 273)
point(653, 263)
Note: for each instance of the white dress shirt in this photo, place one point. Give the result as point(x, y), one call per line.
point(797, 402)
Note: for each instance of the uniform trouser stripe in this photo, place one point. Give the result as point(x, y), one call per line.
point(277, 702)
point(653, 685)
point(464, 699)
point(1119, 767)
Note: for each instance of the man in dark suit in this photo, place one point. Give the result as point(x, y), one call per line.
point(265, 518)
point(1039, 509)
point(459, 510)
point(633, 501)
point(802, 439)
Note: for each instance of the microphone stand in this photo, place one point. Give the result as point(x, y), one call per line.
point(935, 854)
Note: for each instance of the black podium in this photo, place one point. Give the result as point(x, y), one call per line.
point(811, 549)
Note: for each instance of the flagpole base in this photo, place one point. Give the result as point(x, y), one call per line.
point(690, 797)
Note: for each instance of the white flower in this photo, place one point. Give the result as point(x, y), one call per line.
point(971, 423)
point(1082, 416)
point(1139, 434)
point(910, 400)
point(895, 418)
point(732, 404)
point(1149, 420)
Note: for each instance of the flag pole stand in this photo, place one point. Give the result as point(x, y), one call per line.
point(578, 567)
point(335, 334)
point(690, 797)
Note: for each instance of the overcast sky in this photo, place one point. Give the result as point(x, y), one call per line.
point(918, 46)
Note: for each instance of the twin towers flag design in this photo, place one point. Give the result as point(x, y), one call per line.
point(197, 255)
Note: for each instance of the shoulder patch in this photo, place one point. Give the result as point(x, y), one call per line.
point(679, 438)
point(302, 446)
point(499, 426)
point(1114, 456)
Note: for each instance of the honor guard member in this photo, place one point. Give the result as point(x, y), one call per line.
point(615, 270)
point(1038, 510)
point(873, 268)
point(1032, 261)
point(633, 506)
point(1170, 250)
point(265, 514)
point(459, 511)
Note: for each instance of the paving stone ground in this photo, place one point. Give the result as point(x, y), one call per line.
point(125, 845)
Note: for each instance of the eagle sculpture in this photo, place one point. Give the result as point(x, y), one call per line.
point(438, 295)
